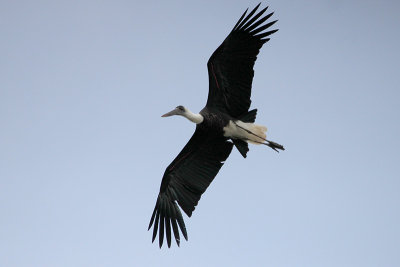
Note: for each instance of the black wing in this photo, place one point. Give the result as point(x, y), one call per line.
point(185, 180)
point(230, 67)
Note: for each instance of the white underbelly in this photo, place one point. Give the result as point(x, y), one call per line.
point(233, 131)
point(245, 131)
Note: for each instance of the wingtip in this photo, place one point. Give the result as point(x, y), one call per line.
point(184, 232)
point(240, 20)
point(155, 228)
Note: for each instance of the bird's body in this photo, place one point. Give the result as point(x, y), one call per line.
point(221, 124)
point(224, 122)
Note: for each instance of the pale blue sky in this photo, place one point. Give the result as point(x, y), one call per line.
point(83, 147)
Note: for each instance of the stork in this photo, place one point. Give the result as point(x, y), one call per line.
point(224, 122)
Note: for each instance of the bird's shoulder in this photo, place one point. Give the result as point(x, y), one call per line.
point(213, 118)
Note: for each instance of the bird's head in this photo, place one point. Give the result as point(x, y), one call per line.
point(182, 111)
point(179, 110)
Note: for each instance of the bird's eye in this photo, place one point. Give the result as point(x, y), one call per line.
point(180, 108)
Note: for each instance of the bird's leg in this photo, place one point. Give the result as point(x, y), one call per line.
point(274, 145)
point(271, 144)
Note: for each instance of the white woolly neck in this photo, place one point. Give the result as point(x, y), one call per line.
point(193, 117)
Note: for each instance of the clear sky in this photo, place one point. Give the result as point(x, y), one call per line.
point(83, 147)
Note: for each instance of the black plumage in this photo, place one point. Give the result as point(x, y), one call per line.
point(230, 70)
point(230, 67)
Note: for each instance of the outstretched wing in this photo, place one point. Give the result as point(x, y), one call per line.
point(185, 180)
point(230, 67)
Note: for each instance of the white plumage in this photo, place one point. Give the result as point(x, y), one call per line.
point(246, 131)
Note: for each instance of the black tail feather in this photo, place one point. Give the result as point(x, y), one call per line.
point(249, 116)
point(242, 146)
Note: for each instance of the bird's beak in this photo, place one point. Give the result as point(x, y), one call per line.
point(171, 113)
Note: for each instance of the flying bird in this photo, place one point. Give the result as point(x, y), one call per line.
point(224, 122)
